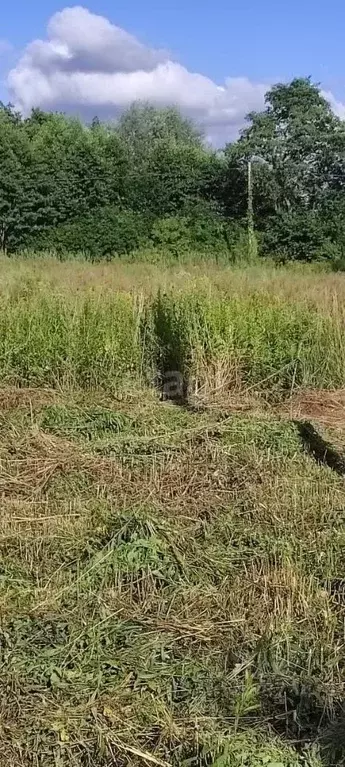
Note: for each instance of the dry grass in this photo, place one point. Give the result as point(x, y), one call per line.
point(326, 407)
point(291, 283)
point(171, 577)
point(169, 586)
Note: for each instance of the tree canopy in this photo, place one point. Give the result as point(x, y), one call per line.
point(150, 178)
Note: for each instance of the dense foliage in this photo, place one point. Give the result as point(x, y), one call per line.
point(150, 180)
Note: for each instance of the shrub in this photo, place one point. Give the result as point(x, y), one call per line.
point(101, 234)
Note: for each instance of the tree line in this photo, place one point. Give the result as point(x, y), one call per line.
point(151, 181)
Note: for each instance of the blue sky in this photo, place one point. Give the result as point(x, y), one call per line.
point(259, 39)
point(264, 41)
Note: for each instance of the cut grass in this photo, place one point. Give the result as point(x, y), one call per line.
point(169, 589)
point(171, 578)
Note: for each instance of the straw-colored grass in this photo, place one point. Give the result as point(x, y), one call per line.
point(170, 587)
point(71, 276)
point(171, 575)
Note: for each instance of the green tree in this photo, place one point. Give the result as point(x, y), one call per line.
point(143, 124)
point(299, 147)
point(14, 172)
point(75, 169)
point(303, 142)
point(170, 167)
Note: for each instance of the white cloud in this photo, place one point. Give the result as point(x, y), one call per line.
point(80, 41)
point(88, 65)
point(337, 106)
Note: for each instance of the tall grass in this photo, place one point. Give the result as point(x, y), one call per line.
point(257, 340)
point(47, 340)
point(214, 340)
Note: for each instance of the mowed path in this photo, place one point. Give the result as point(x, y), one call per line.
point(170, 581)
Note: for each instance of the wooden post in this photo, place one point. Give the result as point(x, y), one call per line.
point(252, 246)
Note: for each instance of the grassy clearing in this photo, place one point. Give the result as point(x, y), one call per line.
point(223, 330)
point(291, 282)
point(170, 588)
point(171, 578)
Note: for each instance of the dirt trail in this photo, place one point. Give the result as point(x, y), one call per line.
point(325, 407)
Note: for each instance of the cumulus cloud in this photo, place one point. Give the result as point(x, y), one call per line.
point(87, 65)
point(80, 41)
point(337, 106)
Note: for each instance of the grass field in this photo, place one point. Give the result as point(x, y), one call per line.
point(171, 575)
point(75, 325)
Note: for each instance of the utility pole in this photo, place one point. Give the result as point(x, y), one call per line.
point(252, 244)
point(252, 241)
